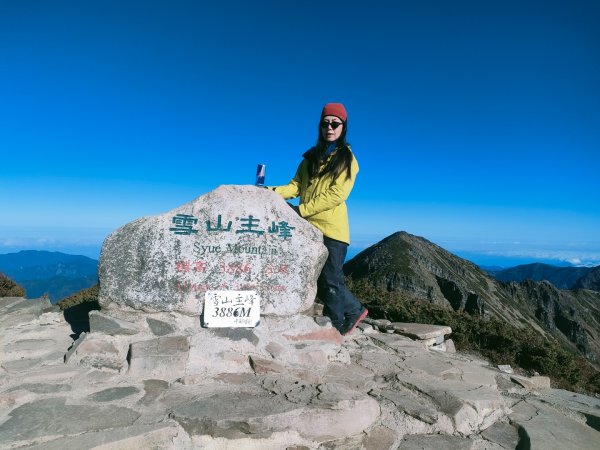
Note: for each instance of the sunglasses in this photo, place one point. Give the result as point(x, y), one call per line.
point(334, 125)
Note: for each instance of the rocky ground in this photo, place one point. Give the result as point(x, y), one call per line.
point(289, 383)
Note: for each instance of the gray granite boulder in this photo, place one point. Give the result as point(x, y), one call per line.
point(232, 238)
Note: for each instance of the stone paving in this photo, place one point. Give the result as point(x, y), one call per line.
point(155, 383)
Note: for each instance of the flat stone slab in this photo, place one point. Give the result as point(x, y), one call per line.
point(546, 428)
point(470, 407)
point(7, 302)
point(153, 389)
point(98, 351)
point(158, 327)
point(435, 441)
point(446, 368)
point(54, 417)
point(42, 388)
point(102, 323)
point(35, 306)
point(21, 365)
point(420, 408)
point(30, 347)
point(532, 383)
point(314, 411)
point(153, 436)
point(112, 394)
point(379, 438)
point(584, 404)
point(162, 358)
point(398, 343)
point(503, 434)
point(17, 313)
point(420, 331)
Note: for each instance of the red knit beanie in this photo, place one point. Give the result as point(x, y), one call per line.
point(335, 109)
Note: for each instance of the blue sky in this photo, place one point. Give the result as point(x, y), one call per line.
point(475, 123)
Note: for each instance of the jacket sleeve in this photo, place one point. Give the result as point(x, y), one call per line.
point(334, 195)
point(292, 189)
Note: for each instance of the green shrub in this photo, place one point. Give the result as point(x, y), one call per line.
point(84, 296)
point(8, 288)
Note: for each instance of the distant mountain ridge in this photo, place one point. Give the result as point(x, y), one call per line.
point(54, 273)
point(417, 267)
point(561, 277)
point(589, 281)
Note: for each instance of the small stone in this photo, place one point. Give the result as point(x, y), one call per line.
point(438, 348)
point(365, 327)
point(433, 341)
point(532, 383)
point(380, 438)
point(323, 321)
point(153, 389)
point(262, 365)
point(195, 378)
point(505, 368)
point(275, 349)
point(318, 309)
point(421, 330)
point(236, 334)
point(158, 327)
point(450, 347)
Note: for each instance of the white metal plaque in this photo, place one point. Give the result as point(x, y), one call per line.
point(231, 309)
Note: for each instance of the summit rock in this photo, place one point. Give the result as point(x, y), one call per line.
point(233, 238)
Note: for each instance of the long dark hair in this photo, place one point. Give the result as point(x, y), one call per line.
point(340, 162)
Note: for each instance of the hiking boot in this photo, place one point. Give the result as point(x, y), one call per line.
point(356, 321)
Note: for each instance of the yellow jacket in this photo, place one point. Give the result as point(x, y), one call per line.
point(323, 200)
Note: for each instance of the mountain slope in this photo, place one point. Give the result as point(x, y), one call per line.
point(38, 264)
point(561, 277)
point(8, 288)
point(53, 273)
point(415, 266)
point(589, 281)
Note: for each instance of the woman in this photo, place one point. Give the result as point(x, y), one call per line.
point(323, 181)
